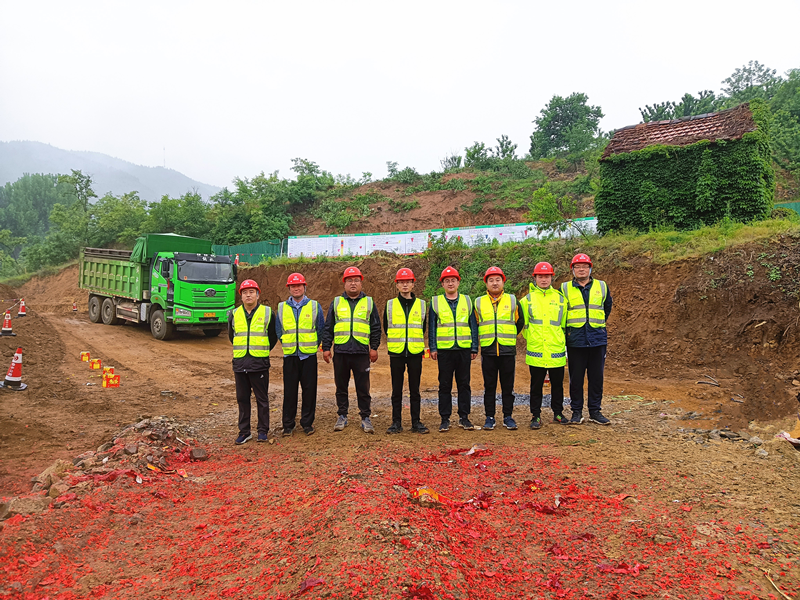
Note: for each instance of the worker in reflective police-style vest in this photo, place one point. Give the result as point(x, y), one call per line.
point(545, 313)
point(353, 330)
point(499, 323)
point(453, 340)
point(299, 326)
point(404, 323)
point(588, 307)
point(251, 329)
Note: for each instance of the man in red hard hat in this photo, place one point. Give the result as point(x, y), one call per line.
point(251, 330)
point(353, 330)
point(544, 310)
point(299, 324)
point(453, 340)
point(404, 325)
point(588, 307)
point(499, 323)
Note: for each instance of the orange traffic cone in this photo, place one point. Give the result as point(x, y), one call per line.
point(13, 380)
point(74, 307)
point(22, 312)
point(7, 324)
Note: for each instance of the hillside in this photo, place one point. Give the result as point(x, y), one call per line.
point(109, 174)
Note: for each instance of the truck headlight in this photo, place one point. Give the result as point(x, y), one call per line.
point(182, 312)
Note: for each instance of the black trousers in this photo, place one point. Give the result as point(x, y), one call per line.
point(556, 389)
point(358, 364)
point(504, 366)
point(454, 362)
point(398, 366)
point(590, 362)
point(303, 373)
point(256, 382)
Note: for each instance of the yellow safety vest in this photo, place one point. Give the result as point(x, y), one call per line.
point(577, 312)
point(253, 339)
point(354, 324)
point(545, 319)
point(399, 332)
point(498, 325)
point(452, 329)
point(303, 329)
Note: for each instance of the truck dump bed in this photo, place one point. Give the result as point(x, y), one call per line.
point(112, 273)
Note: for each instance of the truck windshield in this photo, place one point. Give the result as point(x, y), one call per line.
point(205, 272)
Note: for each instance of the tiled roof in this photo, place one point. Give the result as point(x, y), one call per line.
point(728, 124)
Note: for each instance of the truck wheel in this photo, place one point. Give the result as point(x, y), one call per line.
point(160, 327)
point(212, 332)
point(94, 309)
point(109, 312)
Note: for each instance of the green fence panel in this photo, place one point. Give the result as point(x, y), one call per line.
point(220, 249)
point(795, 206)
point(255, 252)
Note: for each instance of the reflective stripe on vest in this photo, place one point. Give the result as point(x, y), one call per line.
point(355, 324)
point(252, 339)
point(399, 332)
point(496, 325)
point(303, 328)
point(578, 312)
point(452, 330)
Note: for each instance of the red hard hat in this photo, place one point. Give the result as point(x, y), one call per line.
point(449, 272)
point(580, 258)
point(494, 271)
point(543, 268)
point(248, 284)
point(352, 272)
point(295, 279)
point(405, 275)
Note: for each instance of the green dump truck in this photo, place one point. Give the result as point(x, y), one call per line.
point(169, 281)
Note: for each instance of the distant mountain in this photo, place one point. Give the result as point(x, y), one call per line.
point(109, 174)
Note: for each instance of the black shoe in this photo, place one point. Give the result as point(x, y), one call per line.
point(419, 427)
point(395, 427)
point(577, 418)
point(445, 426)
point(309, 430)
point(262, 437)
point(288, 431)
point(243, 438)
point(560, 420)
point(489, 423)
point(466, 424)
point(536, 423)
point(599, 418)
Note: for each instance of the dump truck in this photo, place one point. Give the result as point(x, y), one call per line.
point(168, 281)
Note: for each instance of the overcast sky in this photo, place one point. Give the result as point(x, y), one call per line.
point(234, 88)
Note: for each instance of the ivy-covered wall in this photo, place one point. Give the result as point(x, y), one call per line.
point(689, 186)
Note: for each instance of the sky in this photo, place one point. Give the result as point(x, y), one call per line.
point(218, 90)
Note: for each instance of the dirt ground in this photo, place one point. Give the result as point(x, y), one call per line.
point(655, 506)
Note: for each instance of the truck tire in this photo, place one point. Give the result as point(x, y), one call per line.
point(160, 327)
point(109, 312)
point(94, 309)
point(212, 332)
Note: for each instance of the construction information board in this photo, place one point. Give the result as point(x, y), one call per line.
point(416, 242)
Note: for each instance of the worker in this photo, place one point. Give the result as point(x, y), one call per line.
point(353, 330)
point(499, 322)
point(404, 323)
point(453, 342)
point(299, 324)
point(588, 307)
point(544, 311)
point(251, 330)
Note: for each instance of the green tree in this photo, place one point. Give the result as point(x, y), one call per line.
point(552, 213)
point(565, 126)
point(118, 220)
point(689, 106)
point(750, 81)
point(81, 186)
point(187, 215)
point(785, 129)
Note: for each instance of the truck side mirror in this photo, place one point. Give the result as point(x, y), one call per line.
point(235, 268)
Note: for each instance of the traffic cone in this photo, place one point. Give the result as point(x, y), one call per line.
point(7, 324)
point(22, 312)
point(74, 307)
point(13, 380)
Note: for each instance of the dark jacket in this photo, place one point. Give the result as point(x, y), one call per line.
point(352, 346)
point(406, 304)
point(498, 349)
point(588, 336)
point(248, 363)
point(433, 320)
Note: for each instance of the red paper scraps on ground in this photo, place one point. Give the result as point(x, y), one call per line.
point(307, 584)
point(421, 592)
point(622, 568)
